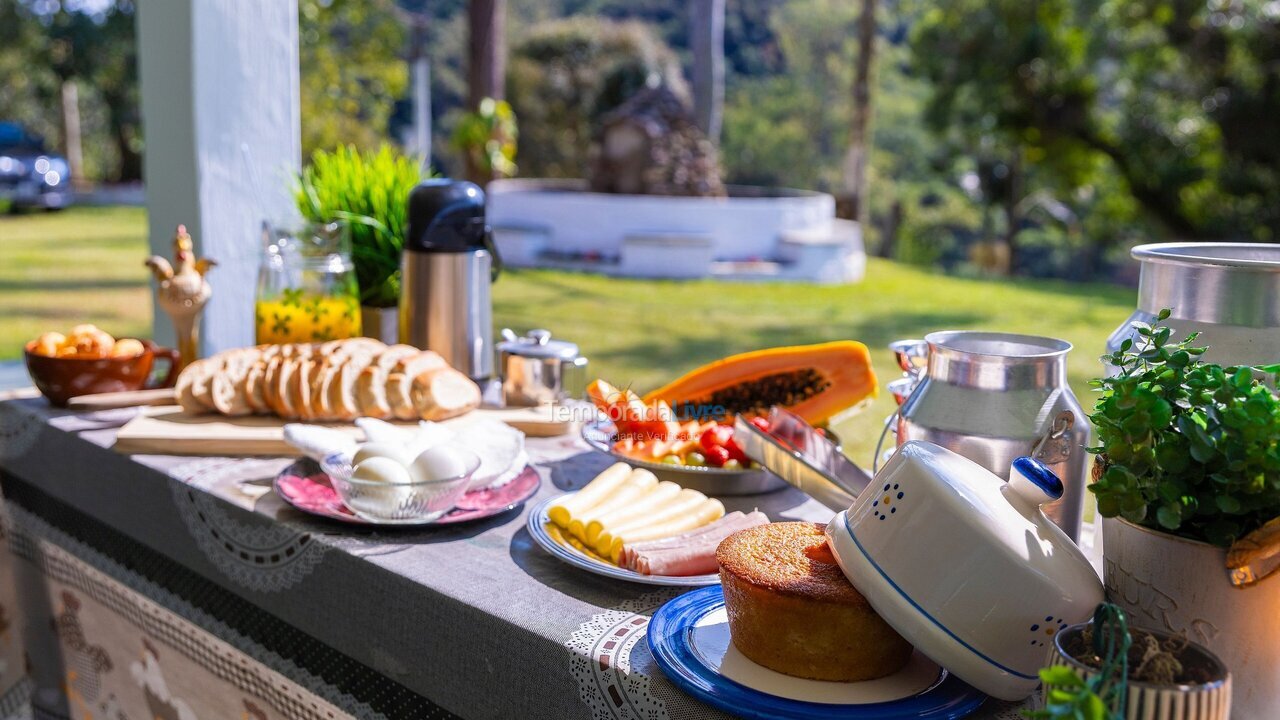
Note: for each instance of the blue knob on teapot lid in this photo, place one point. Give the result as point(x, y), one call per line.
point(1034, 482)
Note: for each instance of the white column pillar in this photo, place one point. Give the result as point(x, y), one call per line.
point(219, 82)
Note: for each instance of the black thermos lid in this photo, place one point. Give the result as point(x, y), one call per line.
point(446, 216)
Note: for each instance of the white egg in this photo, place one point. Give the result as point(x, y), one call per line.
point(399, 452)
point(381, 469)
point(437, 463)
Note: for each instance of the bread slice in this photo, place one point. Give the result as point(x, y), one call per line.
point(254, 387)
point(270, 388)
point(287, 388)
point(371, 386)
point(201, 383)
point(184, 389)
point(306, 376)
point(227, 388)
point(442, 393)
point(400, 378)
point(333, 355)
point(345, 401)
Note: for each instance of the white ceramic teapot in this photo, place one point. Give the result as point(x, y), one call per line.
point(965, 566)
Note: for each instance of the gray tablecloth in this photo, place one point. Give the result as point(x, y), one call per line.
point(475, 617)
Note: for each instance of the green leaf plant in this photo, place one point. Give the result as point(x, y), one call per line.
point(1185, 446)
point(369, 192)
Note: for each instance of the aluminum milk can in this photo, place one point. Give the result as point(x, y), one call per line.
point(1229, 292)
point(993, 397)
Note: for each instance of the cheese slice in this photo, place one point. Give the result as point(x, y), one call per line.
point(569, 505)
point(637, 485)
point(705, 512)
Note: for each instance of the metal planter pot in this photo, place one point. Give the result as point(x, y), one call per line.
point(1209, 700)
point(380, 323)
point(1181, 586)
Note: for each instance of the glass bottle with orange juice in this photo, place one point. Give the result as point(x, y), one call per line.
point(307, 288)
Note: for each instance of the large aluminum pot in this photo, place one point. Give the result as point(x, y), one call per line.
point(993, 397)
point(1229, 292)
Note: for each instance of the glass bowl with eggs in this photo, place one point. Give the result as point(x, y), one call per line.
point(390, 483)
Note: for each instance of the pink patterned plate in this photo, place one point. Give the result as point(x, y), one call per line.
point(304, 486)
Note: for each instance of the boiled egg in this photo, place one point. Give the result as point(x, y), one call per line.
point(399, 452)
point(381, 470)
point(437, 463)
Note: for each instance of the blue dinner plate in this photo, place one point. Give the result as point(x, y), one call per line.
point(550, 539)
point(689, 640)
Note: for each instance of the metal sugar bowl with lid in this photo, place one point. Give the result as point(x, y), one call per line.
point(537, 370)
point(993, 397)
point(1228, 292)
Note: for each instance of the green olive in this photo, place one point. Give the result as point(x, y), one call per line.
point(672, 460)
point(696, 459)
point(731, 465)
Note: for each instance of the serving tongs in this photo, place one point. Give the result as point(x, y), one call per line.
point(795, 451)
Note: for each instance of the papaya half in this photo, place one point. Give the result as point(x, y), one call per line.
point(813, 381)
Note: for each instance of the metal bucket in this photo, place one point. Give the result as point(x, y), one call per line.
point(1229, 292)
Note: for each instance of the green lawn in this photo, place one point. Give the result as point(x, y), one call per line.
point(86, 265)
point(61, 269)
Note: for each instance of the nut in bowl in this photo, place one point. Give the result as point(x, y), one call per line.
point(389, 490)
point(89, 361)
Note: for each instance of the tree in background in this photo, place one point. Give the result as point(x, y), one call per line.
point(352, 72)
point(859, 151)
point(486, 51)
point(71, 73)
point(1176, 99)
point(565, 74)
point(706, 40)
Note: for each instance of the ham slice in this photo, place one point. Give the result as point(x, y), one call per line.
point(690, 553)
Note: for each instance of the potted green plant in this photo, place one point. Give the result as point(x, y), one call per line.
point(487, 140)
point(369, 192)
point(1105, 670)
point(1188, 467)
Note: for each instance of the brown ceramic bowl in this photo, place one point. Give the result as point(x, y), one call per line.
point(62, 378)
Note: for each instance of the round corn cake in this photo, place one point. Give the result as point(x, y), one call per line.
point(792, 610)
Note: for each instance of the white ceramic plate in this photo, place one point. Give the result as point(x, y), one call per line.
point(549, 537)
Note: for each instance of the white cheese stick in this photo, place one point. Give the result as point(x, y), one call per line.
point(683, 502)
point(570, 504)
point(709, 510)
point(638, 484)
point(660, 495)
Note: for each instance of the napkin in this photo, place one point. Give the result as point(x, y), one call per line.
point(499, 446)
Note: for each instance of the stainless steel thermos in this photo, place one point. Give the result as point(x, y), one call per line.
point(448, 265)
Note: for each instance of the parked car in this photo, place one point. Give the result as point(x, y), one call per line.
point(30, 175)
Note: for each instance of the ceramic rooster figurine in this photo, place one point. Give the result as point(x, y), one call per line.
point(183, 291)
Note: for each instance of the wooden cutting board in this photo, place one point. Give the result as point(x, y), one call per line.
point(167, 430)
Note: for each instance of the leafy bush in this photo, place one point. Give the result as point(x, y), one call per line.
point(565, 74)
point(487, 137)
point(1186, 446)
point(369, 192)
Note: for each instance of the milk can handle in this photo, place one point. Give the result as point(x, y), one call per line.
point(889, 422)
point(912, 355)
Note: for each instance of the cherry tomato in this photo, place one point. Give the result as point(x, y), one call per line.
point(761, 422)
point(716, 455)
point(735, 451)
point(716, 436)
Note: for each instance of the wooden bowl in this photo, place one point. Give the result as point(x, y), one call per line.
point(61, 378)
